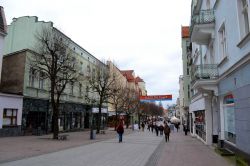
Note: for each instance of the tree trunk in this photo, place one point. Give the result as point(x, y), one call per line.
point(55, 110)
point(99, 119)
point(127, 121)
point(116, 118)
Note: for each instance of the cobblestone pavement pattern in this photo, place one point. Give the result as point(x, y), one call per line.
point(138, 149)
point(184, 150)
point(134, 151)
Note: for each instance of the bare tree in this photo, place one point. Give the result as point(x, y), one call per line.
point(116, 99)
point(151, 109)
point(55, 60)
point(131, 103)
point(100, 83)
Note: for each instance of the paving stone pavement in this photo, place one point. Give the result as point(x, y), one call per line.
point(138, 149)
point(20, 147)
point(134, 151)
point(184, 150)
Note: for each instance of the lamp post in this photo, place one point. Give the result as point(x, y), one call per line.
point(91, 102)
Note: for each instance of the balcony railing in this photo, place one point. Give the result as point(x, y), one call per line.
point(204, 72)
point(204, 17)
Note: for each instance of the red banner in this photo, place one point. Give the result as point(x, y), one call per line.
point(156, 97)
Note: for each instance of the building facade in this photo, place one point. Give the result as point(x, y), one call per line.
point(234, 66)
point(10, 104)
point(184, 80)
point(220, 77)
point(19, 77)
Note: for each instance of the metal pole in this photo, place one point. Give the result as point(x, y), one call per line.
point(91, 123)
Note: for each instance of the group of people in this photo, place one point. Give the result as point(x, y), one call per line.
point(158, 127)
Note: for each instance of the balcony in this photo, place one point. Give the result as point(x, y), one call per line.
point(202, 26)
point(205, 77)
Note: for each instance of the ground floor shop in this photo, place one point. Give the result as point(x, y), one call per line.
point(37, 116)
point(235, 110)
point(203, 118)
point(10, 114)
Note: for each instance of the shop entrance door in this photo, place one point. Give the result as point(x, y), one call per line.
point(36, 122)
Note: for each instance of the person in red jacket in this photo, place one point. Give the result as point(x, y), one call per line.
point(120, 131)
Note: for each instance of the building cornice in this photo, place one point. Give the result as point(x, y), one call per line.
point(238, 64)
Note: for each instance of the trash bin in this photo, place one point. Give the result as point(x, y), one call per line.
point(92, 134)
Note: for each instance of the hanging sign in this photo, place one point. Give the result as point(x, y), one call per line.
point(156, 97)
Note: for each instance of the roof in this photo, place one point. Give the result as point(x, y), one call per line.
point(185, 31)
point(138, 79)
point(128, 74)
point(3, 25)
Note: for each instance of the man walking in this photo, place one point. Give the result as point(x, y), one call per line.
point(167, 132)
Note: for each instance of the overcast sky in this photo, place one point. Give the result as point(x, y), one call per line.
point(141, 35)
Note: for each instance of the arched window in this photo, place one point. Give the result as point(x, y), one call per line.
point(229, 118)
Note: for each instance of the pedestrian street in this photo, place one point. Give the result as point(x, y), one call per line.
point(135, 150)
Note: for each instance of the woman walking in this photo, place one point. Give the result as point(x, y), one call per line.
point(120, 131)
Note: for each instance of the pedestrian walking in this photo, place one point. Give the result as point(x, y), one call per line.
point(167, 132)
point(120, 131)
point(185, 129)
point(161, 128)
point(157, 130)
point(148, 125)
point(152, 127)
point(142, 126)
point(177, 125)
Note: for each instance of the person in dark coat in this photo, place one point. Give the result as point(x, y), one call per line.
point(177, 125)
point(142, 126)
point(156, 130)
point(120, 131)
point(161, 128)
point(185, 129)
point(167, 132)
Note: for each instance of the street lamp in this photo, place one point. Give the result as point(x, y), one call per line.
point(91, 103)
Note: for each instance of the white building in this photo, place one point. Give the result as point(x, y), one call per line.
point(10, 105)
point(220, 104)
point(204, 73)
point(232, 47)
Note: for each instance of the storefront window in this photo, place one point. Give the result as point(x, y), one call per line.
point(229, 118)
point(200, 125)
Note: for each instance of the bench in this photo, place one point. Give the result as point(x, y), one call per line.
point(62, 137)
point(102, 131)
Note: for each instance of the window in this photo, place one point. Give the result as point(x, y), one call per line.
point(81, 68)
point(9, 117)
point(41, 80)
point(32, 77)
point(222, 42)
point(229, 118)
point(187, 71)
point(72, 88)
point(87, 89)
point(80, 89)
point(243, 17)
point(88, 69)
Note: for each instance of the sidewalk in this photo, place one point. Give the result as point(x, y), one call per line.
point(15, 148)
point(138, 149)
point(135, 150)
point(184, 150)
